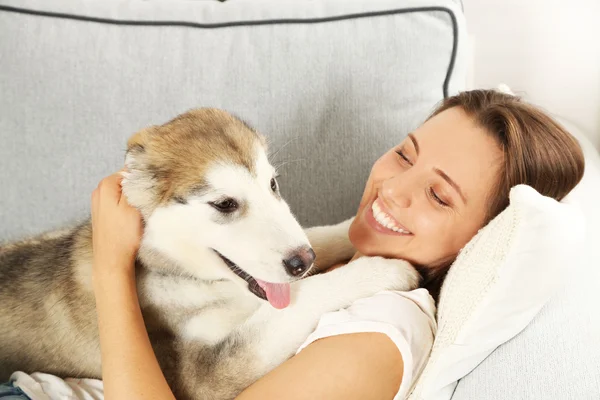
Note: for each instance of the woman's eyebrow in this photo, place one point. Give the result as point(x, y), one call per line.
point(415, 143)
point(452, 183)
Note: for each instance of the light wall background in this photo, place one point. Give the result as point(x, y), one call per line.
point(546, 50)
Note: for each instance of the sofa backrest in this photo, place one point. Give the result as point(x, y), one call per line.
point(332, 87)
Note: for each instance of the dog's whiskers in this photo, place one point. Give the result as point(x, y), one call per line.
point(283, 164)
point(284, 146)
point(314, 269)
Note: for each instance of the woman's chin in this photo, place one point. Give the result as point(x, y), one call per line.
point(366, 243)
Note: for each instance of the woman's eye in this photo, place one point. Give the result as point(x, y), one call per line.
point(435, 197)
point(403, 156)
point(225, 206)
point(273, 185)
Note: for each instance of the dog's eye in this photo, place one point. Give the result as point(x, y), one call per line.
point(273, 184)
point(225, 206)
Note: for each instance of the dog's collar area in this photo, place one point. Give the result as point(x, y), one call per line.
point(253, 286)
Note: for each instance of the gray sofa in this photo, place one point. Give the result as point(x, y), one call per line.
point(331, 83)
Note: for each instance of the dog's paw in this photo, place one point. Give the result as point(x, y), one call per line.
point(376, 274)
point(363, 277)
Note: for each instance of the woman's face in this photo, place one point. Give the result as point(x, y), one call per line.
point(426, 198)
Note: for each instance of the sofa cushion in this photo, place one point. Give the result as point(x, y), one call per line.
point(558, 355)
point(498, 284)
point(332, 84)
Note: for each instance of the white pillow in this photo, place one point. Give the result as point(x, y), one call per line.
point(498, 283)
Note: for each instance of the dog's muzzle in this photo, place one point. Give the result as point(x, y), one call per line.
point(252, 284)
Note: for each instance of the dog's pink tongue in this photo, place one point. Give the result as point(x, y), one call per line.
point(278, 294)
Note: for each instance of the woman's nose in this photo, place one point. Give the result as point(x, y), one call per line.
point(397, 192)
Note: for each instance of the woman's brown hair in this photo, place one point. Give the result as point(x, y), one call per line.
point(538, 152)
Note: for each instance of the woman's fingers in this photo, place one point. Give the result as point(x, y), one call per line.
point(109, 188)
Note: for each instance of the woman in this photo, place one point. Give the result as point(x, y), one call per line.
point(423, 201)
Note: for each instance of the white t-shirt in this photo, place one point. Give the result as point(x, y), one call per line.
point(407, 318)
point(39, 386)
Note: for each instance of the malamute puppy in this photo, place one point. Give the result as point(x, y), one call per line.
point(219, 271)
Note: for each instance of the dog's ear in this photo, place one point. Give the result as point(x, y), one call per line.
point(138, 184)
point(137, 142)
point(137, 146)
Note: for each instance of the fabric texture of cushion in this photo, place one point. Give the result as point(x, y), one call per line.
point(332, 84)
point(498, 283)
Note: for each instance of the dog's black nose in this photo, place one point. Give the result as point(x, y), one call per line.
point(299, 261)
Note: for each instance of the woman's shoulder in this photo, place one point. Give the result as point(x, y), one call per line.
point(419, 303)
point(415, 308)
point(406, 318)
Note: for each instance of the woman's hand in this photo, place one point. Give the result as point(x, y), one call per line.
point(116, 228)
point(129, 367)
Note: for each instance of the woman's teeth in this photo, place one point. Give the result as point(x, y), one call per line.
point(385, 220)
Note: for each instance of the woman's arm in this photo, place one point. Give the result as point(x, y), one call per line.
point(358, 366)
point(129, 367)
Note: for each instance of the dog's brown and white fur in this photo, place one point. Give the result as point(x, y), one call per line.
point(213, 336)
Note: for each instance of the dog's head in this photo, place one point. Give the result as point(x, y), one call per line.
point(211, 203)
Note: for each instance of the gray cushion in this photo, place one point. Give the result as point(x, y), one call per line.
point(558, 355)
point(333, 84)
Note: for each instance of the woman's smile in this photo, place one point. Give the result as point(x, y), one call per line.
point(380, 219)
